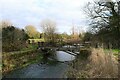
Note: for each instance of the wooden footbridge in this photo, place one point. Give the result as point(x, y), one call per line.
point(70, 50)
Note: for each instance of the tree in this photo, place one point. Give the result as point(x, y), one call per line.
point(105, 19)
point(32, 32)
point(87, 36)
point(49, 30)
point(5, 23)
point(75, 35)
point(13, 38)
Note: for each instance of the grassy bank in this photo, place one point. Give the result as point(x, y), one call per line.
point(19, 59)
point(97, 65)
point(114, 52)
point(29, 47)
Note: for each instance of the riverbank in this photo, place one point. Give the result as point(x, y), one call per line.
point(19, 59)
point(97, 65)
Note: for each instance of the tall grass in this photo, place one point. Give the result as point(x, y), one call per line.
point(103, 65)
point(98, 65)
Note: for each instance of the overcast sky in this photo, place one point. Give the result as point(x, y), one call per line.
point(64, 12)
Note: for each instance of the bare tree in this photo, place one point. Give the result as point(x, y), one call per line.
point(75, 35)
point(49, 30)
point(5, 23)
point(105, 20)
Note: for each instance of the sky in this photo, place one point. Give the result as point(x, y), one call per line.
point(65, 13)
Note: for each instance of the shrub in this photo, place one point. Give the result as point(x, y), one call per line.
point(84, 54)
point(12, 38)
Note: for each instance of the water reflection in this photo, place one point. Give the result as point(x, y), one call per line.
point(63, 56)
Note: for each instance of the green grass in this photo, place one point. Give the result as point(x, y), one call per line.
point(116, 50)
point(113, 50)
point(37, 59)
point(30, 47)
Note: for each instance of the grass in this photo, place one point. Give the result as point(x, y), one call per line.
point(19, 59)
point(38, 58)
point(105, 64)
point(115, 52)
point(112, 50)
point(29, 47)
point(98, 65)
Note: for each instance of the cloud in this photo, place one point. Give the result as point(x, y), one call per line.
point(24, 12)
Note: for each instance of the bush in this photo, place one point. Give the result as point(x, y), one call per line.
point(84, 54)
point(13, 39)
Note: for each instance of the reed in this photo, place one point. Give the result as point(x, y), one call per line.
point(99, 64)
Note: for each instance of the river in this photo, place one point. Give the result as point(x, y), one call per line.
point(38, 70)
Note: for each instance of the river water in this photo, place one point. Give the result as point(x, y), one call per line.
point(38, 70)
point(63, 56)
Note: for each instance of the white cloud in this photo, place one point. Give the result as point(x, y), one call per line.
point(64, 12)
